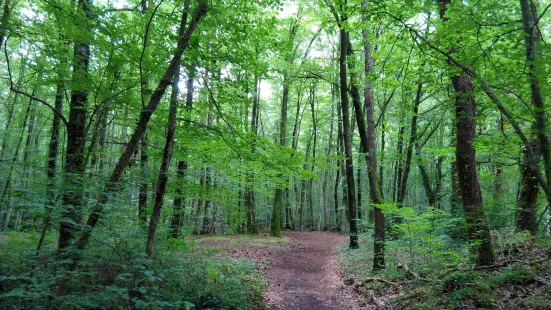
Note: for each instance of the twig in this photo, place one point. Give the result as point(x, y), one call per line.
point(17, 91)
point(376, 300)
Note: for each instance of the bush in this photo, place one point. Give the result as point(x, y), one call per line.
point(115, 275)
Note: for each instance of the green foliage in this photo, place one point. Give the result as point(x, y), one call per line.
point(113, 275)
point(514, 275)
point(459, 280)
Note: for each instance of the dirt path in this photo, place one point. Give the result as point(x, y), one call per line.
point(306, 275)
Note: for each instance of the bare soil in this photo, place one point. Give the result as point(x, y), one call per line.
point(306, 275)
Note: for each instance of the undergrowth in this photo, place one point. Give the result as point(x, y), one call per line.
point(115, 274)
point(428, 267)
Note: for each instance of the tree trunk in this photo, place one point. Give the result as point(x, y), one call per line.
point(376, 194)
point(315, 138)
point(526, 217)
point(52, 163)
point(532, 38)
point(112, 184)
point(4, 21)
point(469, 185)
point(165, 164)
point(399, 165)
point(5, 200)
point(249, 192)
point(179, 202)
point(465, 155)
point(382, 164)
point(75, 164)
point(279, 195)
point(347, 137)
point(144, 181)
point(409, 150)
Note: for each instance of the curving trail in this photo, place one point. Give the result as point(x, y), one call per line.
point(306, 275)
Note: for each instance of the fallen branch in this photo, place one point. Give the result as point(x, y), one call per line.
point(415, 275)
point(411, 272)
point(501, 265)
point(380, 280)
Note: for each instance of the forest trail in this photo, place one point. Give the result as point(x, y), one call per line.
point(307, 276)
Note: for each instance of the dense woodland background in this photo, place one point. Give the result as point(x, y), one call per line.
point(127, 126)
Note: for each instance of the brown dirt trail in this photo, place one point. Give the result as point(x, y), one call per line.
point(306, 275)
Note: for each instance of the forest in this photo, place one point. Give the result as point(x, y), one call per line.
point(275, 154)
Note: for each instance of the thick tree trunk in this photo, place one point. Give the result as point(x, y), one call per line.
point(469, 185)
point(75, 164)
point(465, 155)
point(526, 216)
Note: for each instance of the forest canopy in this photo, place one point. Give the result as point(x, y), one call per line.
point(130, 127)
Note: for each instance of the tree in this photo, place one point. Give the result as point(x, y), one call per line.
point(116, 174)
point(75, 165)
point(465, 154)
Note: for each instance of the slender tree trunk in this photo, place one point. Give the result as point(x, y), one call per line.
point(144, 181)
point(207, 224)
point(51, 166)
point(165, 164)
point(249, 192)
point(279, 196)
point(399, 165)
point(347, 137)
point(315, 138)
point(532, 38)
point(409, 150)
point(359, 187)
point(376, 194)
point(112, 185)
point(179, 202)
point(5, 193)
point(383, 144)
point(324, 196)
point(424, 177)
